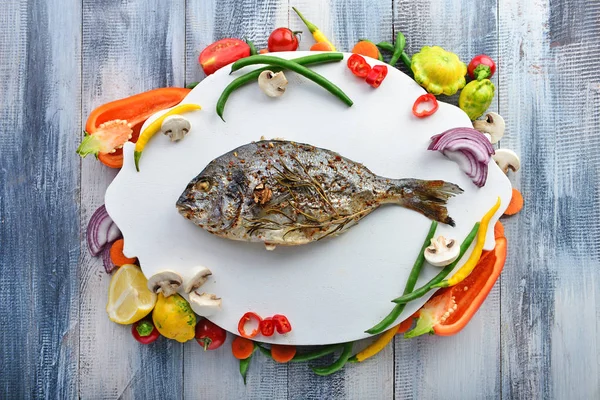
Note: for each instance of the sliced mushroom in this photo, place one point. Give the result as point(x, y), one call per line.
point(493, 124)
point(442, 252)
point(205, 304)
point(199, 279)
point(175, 127)
point(165, 282)
point(271, 83)
point(507, 159)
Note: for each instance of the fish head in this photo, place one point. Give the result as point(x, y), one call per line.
point(213, 201)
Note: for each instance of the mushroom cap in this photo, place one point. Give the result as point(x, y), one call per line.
point(492, 124)
point(205, 304)
point(271, 83)
point(199, 279)
point(507, 159)
point(176, 127)
point(442, 251)
point(165, 282)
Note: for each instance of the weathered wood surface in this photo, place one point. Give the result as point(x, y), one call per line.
point(536, 335)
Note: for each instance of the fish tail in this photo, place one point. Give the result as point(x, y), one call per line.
point(426, 197)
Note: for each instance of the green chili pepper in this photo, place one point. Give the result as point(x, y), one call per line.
point(338, 364)
point(252, 48)
point(476, 97)
point(313, 355)
point(191, 85)
point(420, 292)
point(297, 68)
point(410, 285)
point(387, 46)
point(253, 76)
point(398, 48)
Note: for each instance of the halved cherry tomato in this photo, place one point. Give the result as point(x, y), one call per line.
point(425, 105)
point(376, 75)
point(283, 39)
point(267, 326)
point(209, 335)
point(244, 320)
point(282, 324)
point(358, 65)
point(221, 53)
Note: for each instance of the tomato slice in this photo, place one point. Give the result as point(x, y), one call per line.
point(221, 53)
point(249, 316)
point(282, 324)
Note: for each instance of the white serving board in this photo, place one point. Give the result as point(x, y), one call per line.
point(332, 290)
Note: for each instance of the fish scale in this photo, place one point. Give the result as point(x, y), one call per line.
point(285, 193)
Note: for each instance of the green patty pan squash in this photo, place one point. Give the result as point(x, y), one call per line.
point(439, 71)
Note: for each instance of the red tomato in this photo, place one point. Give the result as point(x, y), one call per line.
point(222, 53)
point(267, 327)
point(481, 67)
point(282, 324)
point(209, 335)
point(144, 331)
point(283, 39)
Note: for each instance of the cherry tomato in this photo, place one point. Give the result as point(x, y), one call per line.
point(222, 53)
point(144, 331)
point(481, 67)
point(209, 335)
point(242, 325)
point(267, 326)
point(282, 324)
point(358, 65)
point(283, 39)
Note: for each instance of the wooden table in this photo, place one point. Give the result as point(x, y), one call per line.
point(535, 337)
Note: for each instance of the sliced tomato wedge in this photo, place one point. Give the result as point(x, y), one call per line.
point(221, 53)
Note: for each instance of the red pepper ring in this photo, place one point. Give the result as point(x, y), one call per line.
point(282, 324)
point(377, 75)
point(242, 325)
point(267, 326)
point(358, 65)
point(421, 112)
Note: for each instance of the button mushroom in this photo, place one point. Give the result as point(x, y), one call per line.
point(175, 127)
point(271, 83)
point(507, 159)
point(165, 282)
point(199, 279)
point(442, 252)
point(493, 124)
point(205, 304)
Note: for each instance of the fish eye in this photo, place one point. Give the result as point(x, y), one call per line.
point(202, 185)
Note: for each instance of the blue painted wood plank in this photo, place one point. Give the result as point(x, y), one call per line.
point(39, 193)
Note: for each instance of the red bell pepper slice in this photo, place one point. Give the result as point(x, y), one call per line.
point(267, 326)
point(451, 308)
point(376, 75)
point(244, 320)
point(425, 105)
point(358, 65)
point(282, 324)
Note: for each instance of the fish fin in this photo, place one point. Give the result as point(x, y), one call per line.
point(426, 197)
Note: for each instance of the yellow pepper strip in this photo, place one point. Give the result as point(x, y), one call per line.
point(376, 346)
point(154, 127)
point(317, 34)
point(466, 269)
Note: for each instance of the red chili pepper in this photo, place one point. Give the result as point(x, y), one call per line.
point(242, 325)
point(282, 324)
point(481, 67)
point(359, 66)
point(267, 326)
point(425, 105)
point(377, 75)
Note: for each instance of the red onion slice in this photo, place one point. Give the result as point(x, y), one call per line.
point(101, 230)
point(109, 266)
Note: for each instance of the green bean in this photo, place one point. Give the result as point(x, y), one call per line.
point(410, 284)
point(297, 68)
point(313, 355)
point(387, 46)
point(252, 48)
point(420, 292)
point(191, 85)
point(253, 76)
point(398, 48)
point(338, 364)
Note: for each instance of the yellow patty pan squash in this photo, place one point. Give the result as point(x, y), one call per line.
point(438, 71)
point(174, 318)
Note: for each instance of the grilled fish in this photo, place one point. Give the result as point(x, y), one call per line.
point(285, 193)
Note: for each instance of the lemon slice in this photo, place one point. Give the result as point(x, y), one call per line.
point(129, 299)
